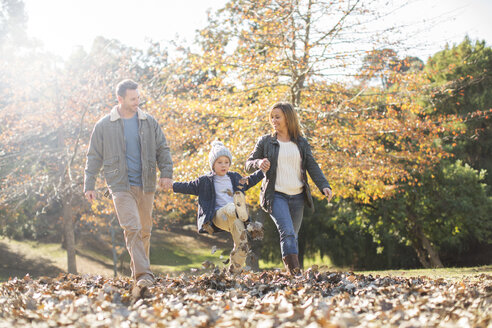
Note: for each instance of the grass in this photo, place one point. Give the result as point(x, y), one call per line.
point(172, 253)
point(36, 248)
point(21, 257)
point(323, 262)
point(456, 274)
point(175, 260)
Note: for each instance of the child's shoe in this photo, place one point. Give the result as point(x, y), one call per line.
point(240, 203)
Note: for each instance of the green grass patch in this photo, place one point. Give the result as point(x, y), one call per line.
point(166, 257)
point(323, 262)
point(36, 248)
point(456, 274)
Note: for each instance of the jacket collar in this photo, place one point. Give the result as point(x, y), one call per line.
point(274, 139)
point(115, 115)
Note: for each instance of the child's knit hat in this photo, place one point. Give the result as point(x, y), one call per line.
point(218, 149)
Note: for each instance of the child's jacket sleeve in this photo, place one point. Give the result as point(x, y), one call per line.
point(191, 187)
point(253, 179)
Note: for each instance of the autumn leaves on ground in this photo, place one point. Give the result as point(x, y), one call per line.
point(264, 299)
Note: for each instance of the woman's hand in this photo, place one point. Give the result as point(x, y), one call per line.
point(328, 193)
point(264, 164)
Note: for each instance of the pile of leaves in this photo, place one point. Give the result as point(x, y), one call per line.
point(267, 299)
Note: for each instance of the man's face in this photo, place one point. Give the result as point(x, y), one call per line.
point(130, 101)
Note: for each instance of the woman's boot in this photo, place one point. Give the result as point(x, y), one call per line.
point(291, 262)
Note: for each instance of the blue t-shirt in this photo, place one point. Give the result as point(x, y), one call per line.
point(133, 157)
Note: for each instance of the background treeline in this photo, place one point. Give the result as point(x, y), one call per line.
point(405, 143)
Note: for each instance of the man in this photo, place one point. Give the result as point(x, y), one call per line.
point(128, 143)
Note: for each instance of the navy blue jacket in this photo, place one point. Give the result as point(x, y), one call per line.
point(204, 188)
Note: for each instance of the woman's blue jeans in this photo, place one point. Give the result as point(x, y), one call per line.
point(287, 213)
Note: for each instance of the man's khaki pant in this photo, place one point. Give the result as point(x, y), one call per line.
point(226, 219)
point(134, 211)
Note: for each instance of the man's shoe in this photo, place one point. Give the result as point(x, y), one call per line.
point(145, 281)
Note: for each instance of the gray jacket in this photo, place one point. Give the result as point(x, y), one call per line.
point(268, 147)
point(107, 149)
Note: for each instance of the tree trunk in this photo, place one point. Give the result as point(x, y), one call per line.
point(427, 254)
point(69, 234)
point(433, 256)
point(65, 194)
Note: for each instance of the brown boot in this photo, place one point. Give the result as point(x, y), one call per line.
point(291, 263)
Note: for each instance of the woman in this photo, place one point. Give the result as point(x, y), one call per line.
point(285, 156)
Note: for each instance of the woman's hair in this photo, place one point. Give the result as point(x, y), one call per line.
point(293, 125)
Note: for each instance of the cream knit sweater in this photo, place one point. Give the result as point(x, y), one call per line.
point(289, 178)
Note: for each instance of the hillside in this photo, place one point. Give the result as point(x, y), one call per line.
point(175, 249)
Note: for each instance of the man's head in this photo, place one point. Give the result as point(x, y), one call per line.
point(128, 96)
point(220, 158)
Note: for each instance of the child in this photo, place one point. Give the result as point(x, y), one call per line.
point(221, 202)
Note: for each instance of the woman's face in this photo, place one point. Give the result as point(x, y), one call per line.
point(278, 121)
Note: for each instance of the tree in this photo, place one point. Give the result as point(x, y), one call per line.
point(461, 77)
point(46, 128)
point(446, 211)
point(384, 63)
point(369, 140)
point(13, 21)
point(365, 139)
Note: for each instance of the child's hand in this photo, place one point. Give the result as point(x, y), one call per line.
point(328, 193)
point(264, 165)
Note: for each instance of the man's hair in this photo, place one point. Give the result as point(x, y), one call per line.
point(293, 125)
point(125, 85)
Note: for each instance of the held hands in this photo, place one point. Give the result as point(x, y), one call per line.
point(166, 184)
point(264, 165)
point(328, 193)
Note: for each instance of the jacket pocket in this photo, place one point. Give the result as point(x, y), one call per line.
point(151, 173)
point(111, 168)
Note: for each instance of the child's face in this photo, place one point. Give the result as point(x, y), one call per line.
point(221, 165)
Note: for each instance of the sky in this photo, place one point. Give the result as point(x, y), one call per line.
point(62, 25)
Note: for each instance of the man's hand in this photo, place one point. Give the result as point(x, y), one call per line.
point(166, 184)
point(264, 164)
point(328, 193)
point(90, 195)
